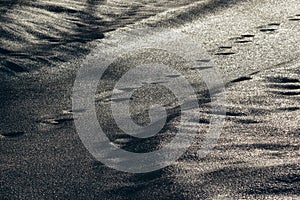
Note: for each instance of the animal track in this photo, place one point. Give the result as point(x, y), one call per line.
point(244, 38)
point(203, 60)
point(68, 112)
point(114, 100)
point(173, 76)
point(224, 53)
point(271, 27)
point(247, 38)
point(225, 47)
point(243, 78)
point(294, 18)
point(56, 121)
point(243, 41)
point(64, 118)
point(128, 89)
point(268, 29)
point(154, 82)
point(274, 24)
point(201, 67)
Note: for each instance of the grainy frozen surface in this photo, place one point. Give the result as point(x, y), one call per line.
point(254, 43)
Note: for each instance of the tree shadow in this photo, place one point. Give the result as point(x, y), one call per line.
point(36, 46)
point(35, 34)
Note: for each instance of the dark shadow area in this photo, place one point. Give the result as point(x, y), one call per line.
point(6, 5)
point(45, 42)
point(257, 180)
point(35, 34)
point(159, 184)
